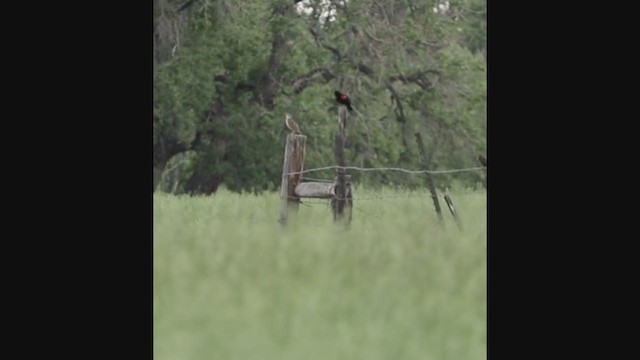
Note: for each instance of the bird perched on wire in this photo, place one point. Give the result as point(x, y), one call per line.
point(482, 160)
point(291, 124)
point(343, 99)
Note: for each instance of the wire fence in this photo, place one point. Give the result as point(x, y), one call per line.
point(356, 168)
point(387, 197)
point(406, 196)
point(379, 214)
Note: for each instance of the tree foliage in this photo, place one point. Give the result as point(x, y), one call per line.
point(225, 72)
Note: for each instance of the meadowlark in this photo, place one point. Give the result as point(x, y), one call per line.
point(291, 124)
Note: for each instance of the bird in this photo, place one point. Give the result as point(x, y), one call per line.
point(291, 124)
point(343, 99)
point(482, 160)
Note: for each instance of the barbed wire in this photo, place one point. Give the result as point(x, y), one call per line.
point(386, 169)
point(308, 201)
point(382, 197)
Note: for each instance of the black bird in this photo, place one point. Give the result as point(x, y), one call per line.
point(343, 99)
point(482, 160)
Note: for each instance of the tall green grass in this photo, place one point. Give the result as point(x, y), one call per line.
point(230, 283)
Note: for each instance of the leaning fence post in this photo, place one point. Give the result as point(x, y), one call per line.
point(453, 211)
point(432, 187)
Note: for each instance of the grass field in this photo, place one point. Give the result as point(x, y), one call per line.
point(230, 283)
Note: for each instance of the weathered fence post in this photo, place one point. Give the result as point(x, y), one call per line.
point(343, 199)
point(293, 163)
point(483, 161)
point(432, 187)
point(347, 201)
point(453, 211)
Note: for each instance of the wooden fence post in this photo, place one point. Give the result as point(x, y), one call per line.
point(293, 162)
point(483, 161)
point(343, 199)
point(432, 187)
point(453, 211)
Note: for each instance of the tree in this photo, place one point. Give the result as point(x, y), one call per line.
point(228, 72)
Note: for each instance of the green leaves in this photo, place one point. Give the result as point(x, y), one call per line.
point(240, 66)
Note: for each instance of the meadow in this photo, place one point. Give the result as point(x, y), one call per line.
point(231, 283)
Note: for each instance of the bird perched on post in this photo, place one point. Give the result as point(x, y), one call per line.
point(482, 160)
point(343, 99)
point(291, 124)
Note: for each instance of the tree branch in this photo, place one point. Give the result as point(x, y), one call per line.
point(365, 69)
point(418, 78)
point(335, 51)
point(166, 146)
point(396, 98)
point(186, 5)
point(373, 37)
point(239, 86)
point(413, 77)
point(302, 82)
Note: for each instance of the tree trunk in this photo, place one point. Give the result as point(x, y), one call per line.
point(157, 175)
point(279, 48)
point(202, 182)
point(164, 149)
